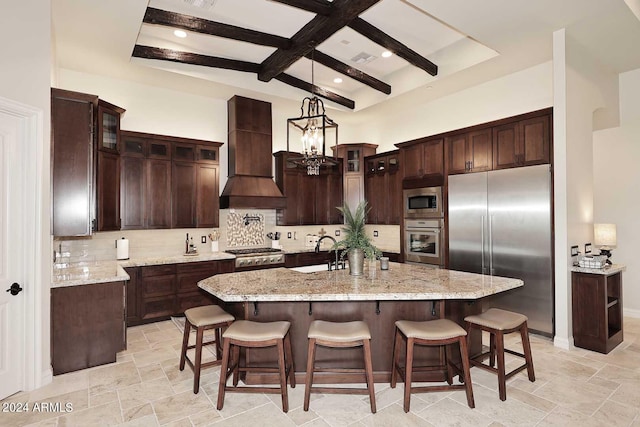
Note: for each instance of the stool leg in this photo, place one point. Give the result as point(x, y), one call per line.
point(198, 361)
point(447, 362)
point(289, 356)
point(502, 386)
point(464, 356)
point(223, 372)
point(408, 372)
point(311, 357)
point(368, 367)
point(218, 344)
point(396, 358)
point(526, 346)
point(235, 351)
point(283, 376)
point(185, 342)
point(492, 349)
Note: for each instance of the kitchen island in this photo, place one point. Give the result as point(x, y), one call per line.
point(405, 291)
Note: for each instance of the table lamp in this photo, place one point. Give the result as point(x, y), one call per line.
point(605, 237)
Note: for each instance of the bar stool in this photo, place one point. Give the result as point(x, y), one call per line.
point(339, 335)
point(498, 323)
point(202, 318)
point(248, 334)
point(440, 332)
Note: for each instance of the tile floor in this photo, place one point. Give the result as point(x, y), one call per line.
point(145, 388)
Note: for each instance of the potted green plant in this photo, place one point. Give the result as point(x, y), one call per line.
point(356, 244)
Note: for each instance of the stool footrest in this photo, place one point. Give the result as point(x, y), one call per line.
point(339, 390)
point(341, 370)
point(242, 389)
point(447, 387)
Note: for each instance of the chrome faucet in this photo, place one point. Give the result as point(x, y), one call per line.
point(317, 250)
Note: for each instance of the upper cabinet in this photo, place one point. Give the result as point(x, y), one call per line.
point(383, 188)
point(169, 182)
point(469, 152)
point(352, 156)
point(423, 158)
point(311, 199)
point(85, 164)
point(523, 143)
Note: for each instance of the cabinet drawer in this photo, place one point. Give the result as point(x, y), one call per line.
point(158, 285)
point(152, 308)
point(158, 270)
point(189, 282)
point(198, 267)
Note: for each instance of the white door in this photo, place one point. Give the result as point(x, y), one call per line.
point(12, 197)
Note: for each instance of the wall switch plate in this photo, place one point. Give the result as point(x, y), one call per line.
point(289, 235)
point(574, 250)
point(587, 248)
point(337, 233)
point(375, 233)
point(203, 239)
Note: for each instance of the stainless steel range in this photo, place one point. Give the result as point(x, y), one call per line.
point(256, 258)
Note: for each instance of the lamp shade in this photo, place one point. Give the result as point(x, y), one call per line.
point(604, 234)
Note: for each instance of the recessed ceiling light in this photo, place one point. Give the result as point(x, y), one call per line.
point(386, 54)
point(180, 33)
point(337, 80)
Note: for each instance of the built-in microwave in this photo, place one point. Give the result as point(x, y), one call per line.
point(423, 202)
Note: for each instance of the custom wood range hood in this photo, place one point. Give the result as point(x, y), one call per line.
point(250, 183)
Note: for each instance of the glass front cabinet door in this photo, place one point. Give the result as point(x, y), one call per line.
point(109, 127)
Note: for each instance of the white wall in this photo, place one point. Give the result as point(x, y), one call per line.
point(582, 86)
point(616, 175)
point(25, 77)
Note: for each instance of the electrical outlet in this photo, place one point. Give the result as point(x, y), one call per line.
point(574, 250)
point(587, 248)
point(203, 239)
point(337, 233)
point(375, 233)
point(288, 235)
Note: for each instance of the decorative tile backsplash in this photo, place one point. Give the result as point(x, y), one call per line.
point(245, 229)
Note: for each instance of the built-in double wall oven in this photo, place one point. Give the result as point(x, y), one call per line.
point(424, 226)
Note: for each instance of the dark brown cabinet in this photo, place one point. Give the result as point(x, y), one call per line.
point(311, 199)
point(87, 325)
point(469, 152)
point(383, 188)
point(108, 191)
point(597, 310)
point(523, 143)
point(423, 158)
point(159, 291)
point(168, 182)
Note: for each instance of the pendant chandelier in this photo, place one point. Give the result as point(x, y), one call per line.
point(315, 129)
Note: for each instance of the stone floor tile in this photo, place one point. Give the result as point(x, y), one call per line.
point(178, 406)
point(104, 415)
point(448, 412)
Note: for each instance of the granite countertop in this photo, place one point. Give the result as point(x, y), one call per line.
point(606, 271)
point(87, 273)
point(400, 282)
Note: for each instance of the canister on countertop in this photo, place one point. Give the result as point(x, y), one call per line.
point(122, 248)
point(384, 263)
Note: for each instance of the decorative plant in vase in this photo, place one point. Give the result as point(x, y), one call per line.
point(356, 244)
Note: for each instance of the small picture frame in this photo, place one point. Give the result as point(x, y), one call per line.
point(587, 248)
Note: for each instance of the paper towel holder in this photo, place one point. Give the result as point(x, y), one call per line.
point(122, 249)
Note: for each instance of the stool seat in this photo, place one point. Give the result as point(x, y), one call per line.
point(440, 329)
point(496, 318)
point(207, 315)
point(246, 330)
point(339, 331)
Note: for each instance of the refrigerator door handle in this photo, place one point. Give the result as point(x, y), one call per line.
point(482, 219)
point(491, 270)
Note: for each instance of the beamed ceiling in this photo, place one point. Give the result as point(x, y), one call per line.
point(269, 46)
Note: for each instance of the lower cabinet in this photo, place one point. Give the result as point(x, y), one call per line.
point(597, 310)
point(159, 291)
point(87, 325)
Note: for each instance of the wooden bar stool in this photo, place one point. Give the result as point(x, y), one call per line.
point(498, 323)
point(339, 335)
point(203, 318)
point(440, 332)
point(245, 333)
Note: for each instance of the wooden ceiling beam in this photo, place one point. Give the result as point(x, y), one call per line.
point(316, 90)
point(147, 52)
point(312, 34)
point(320, 7)
point(204, 26)
point(349, 71)
point(375, 35)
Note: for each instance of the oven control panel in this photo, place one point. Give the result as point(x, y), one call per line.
point(260, 261)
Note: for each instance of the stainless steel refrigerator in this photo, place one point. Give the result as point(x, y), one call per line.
point(500, 224)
